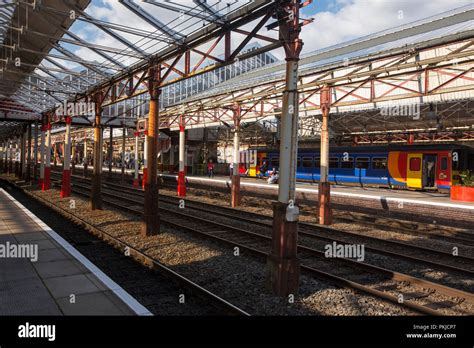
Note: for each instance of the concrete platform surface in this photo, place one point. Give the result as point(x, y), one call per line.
point(42, 274)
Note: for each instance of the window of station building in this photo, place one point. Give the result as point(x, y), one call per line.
point(415, 164)
point(333, 162)
point(444, 163)
point(362, 162)
point(379, 162)
point(347, 163)
point(307, 162)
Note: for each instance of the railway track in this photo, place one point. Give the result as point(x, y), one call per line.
point(390, 248)
point(414, 293)
point(158, 291)
point(417, 229)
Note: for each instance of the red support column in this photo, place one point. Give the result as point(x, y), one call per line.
point(236, 172)
point(66, 182)
point(283, 266)
point(182, 154)
point(47, 165)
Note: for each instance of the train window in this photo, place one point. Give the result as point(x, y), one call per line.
point(317, 162)
point(348, 163)
point(298, 162)
point(362, 162)
point(444, 163)
point(379, 162)
point(415, 164)
point(307, 162)
point(333, 162)
point(275, 162)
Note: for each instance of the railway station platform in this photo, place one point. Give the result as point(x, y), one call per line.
point(42, 274)
point(429, 207)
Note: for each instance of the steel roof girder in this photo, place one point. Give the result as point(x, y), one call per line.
point(152, 20)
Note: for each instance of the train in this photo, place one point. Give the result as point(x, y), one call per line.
point(417, 167)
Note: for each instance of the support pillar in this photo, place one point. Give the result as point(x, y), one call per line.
point(182, 153)
point(145, 161)
point(22, 171)
point(236, 172)
point(151, 218)
point(111, 151)
point(10, 164)
point(35, 153)
point(283, 265)
point(42, 154)
point(6, 165)
point(28, 154)
point(96, 194)
point(122, 179)
point(324, 188)
point(17, 162)
point(66, 182)
point(86, 158)
point(47, 161)
point(2, 157)
point(136, 161)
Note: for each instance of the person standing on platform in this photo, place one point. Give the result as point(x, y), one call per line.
point(231, 170)
point(210, 169)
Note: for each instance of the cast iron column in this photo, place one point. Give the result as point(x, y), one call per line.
point(182, 154)
point(47, 161)
point(28, 155)
point(283, 266)
point(324, 189)
point(136, 161)
point(151, 218)
point(235, 171)
point(85, 159)
point(42, 152)
point(111, 150)
point(96, 195)
point(123, 154)
point(145, 160)
point(35, 153)
point(66, 183)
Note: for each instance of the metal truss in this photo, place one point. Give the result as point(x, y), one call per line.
point(181, 53)
point(186, 58)
point(413, 75)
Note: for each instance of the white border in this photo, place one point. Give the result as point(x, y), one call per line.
point(336, 193)
point(128, 299)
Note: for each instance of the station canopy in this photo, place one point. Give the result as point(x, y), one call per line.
point(427, 63)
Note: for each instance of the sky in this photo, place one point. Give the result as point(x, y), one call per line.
point(335, 21)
